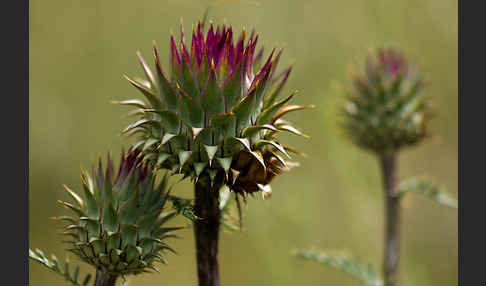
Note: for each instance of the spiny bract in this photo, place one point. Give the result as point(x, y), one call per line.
point(217, 114)
point(119, 226)
point(386, 110)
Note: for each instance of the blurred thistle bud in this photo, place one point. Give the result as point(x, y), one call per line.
point(385, 109)
point(119, 226)
point(216, 115)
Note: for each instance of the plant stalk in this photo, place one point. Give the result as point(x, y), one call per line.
point(392, 220)
point(206, 231)
point(104, 279)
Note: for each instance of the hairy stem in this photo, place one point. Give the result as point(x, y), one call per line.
point(392, 220)
point(206, 231)
point(104, 279)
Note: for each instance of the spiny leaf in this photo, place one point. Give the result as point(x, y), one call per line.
point(74, 195)
point(363, 271)
point(244, 109)
point(244, 142)
point(110, 219)
point(167, 92)
point(55, 266)
point(212, 98)
point(428, 189)
point(279, 147)
point(78, 211)
point(146, 70)
point(223, 125)
point(149, 143)
point(133, 102)
point(211, 151)
point(225, 163)
point(170, 121)
point(271, 110)
point(154, 101)
point(278, 88)
point(190, 111)
point(232, 88)
point(199, 167)
point(288, 108)
point(141, 122)
point(252, 130)
point(291, 129)
point(162, 157)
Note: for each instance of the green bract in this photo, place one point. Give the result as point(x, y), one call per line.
point(119, 226)
point(217, 113)
point(386, 109)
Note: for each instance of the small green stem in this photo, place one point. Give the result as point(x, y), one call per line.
point(104, 279)
point(392, 220)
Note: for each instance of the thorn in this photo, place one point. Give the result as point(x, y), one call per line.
point(196, 131)
point(235, 175)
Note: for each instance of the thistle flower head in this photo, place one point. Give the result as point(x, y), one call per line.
point(385, 109)
point(216, 115)
point(119, 226)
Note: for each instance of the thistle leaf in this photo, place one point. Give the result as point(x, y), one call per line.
point(278, 88)
point(162, 157)
point(223, 125)
point(169, 120)
point(110, 219)
point(191, 112)
point(149, 143)
point(252, 130)
point(428, 189)
point(154, 101)
point(212, 99)
point(277, 146)
point(167, 91)
point(146, 70)
point(133, 102)
point(128, 210)
point(244, 109)
point(363, 271)
point(232, 89)
point(55, 266)
point(270, 111)
point(211, 151)
point(139, 123)
point(291, 129)
point(78, 211)
point(74, 195)
point(289, 108)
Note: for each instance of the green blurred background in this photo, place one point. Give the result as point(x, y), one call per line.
point(79, 50)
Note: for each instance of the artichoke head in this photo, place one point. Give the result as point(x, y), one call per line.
point(216, 115)
point(386, 109)
point(119, 225)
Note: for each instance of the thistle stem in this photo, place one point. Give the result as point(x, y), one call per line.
point(104, 279)
point(392, 220)
point(206, 231)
